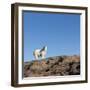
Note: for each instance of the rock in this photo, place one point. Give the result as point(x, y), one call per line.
point(36, 66)
point(75, 69)
point(53, 66)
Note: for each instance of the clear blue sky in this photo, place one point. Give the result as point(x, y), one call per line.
point(60, 32)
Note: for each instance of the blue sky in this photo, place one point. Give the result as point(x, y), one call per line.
point(60, 32)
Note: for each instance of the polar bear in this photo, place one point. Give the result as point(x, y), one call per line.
point(40, 52)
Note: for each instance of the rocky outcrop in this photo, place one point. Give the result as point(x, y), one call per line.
point(53, 66)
